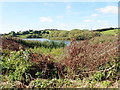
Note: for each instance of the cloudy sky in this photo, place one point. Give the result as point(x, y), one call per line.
point(16, 16)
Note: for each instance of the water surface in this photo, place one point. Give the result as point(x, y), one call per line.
point(44, 39)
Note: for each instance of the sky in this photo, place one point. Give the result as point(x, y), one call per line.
point(21, 16)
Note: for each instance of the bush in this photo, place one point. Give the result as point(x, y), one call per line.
point(54, 83)
point(15, 65)
point(99, 76)
point(24, 66)
point(44, 67)
point(82, 57)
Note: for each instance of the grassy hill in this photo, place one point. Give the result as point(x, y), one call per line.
point(55, 34)
point(63, 34)
point(110, 32)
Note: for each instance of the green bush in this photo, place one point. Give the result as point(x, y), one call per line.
point(99, 76)
point(53, 83)
point(23, 66)
point(15, 65)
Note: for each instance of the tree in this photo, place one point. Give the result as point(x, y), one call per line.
point(25, 32)
point(12, 33)
point(30, 30)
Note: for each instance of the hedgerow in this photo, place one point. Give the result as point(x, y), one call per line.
point(95, 60)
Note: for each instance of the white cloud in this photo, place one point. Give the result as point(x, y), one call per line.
point(46, 19)
point(68, 7)
point(88, 20)
point(109, 9)
point(94, 15)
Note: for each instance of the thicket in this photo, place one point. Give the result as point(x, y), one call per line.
point(67, 35)
point(96, 59)
point(84, 59)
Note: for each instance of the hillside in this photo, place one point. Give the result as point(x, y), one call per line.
point(111, 32)
point(63, 34)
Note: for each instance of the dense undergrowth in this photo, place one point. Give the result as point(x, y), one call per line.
point(91, 63)
point(13, 43)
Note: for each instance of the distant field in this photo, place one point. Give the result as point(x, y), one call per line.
point(23, 36)
point(62, 34)
point(110, 32)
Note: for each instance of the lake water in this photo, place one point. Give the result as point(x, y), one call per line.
point(43, 39)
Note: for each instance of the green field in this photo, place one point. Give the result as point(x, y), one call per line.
point(110, 32)
point(62, 34)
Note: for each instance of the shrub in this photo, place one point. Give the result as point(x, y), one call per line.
point(44, 67)
point(80, 58)
point(8, 43)
point(53, 83)
point(99, 76)
point(24, 66)
point(15, 65)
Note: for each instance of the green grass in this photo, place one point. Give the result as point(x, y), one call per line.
point(31, 33)
point(23, 36)
point(110, 32)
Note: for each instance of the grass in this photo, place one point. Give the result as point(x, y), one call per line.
point(48, 51)
point(110, 32)
point(60, 83)
point(23, 36)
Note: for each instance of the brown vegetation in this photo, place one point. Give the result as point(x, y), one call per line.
point(7, 43)
point(85, 57)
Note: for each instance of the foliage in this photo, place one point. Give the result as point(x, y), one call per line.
point(106, 83)
point(86, 64)
point(54, 83)
point(82, 57)
point(99, 76)
point(24, 66)
point(9, 44)
point(67, 35)
point(56, 34)
point(44, 67)
point(55, 52)
point(15, 65)
point(17, 44)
